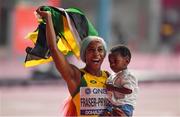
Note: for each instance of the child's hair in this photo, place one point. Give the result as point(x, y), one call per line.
point(123, 50)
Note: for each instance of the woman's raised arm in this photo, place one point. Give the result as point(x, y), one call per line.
point(70, 73)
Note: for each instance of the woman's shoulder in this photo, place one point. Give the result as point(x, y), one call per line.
point(106, 73)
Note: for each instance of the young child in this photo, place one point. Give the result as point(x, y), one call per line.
point(122, 87)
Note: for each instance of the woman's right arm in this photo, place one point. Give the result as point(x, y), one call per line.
point(70, 73)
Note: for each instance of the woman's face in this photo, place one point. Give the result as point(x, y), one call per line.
point(95, 54)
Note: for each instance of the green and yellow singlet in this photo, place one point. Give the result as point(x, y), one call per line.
point(90, 98)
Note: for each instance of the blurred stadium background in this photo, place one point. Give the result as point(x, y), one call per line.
point(151, 29)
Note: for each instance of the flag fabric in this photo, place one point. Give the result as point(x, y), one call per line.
point(69, 108)
point(71, 27)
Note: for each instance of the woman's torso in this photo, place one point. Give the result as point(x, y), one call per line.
point(91, 96)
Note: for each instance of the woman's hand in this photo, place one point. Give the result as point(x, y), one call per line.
point(43, 14)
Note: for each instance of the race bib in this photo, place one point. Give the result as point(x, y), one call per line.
point(93, 100)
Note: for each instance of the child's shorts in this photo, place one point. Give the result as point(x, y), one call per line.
point(126, 108)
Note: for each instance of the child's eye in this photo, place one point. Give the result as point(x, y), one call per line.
point(117, 60)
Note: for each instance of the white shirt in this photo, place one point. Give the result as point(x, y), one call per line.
point(125, 79)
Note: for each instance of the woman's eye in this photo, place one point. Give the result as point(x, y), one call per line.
point(100, 50)
point(91, 50)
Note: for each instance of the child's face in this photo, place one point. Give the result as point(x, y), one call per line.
point(117, 62)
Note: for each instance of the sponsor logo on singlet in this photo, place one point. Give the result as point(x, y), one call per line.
point(93, 81)
point(88, 91)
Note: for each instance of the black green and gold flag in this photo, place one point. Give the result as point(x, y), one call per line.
point(71, 26)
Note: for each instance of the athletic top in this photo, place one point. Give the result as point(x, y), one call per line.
point(90, 98)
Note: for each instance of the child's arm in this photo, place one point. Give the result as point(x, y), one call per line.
point(121, 89)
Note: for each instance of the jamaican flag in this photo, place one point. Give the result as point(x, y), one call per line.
point(71, 26)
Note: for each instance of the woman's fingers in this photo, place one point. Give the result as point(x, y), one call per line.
point(40, 8)
point(38, 11)
point(43, 14)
